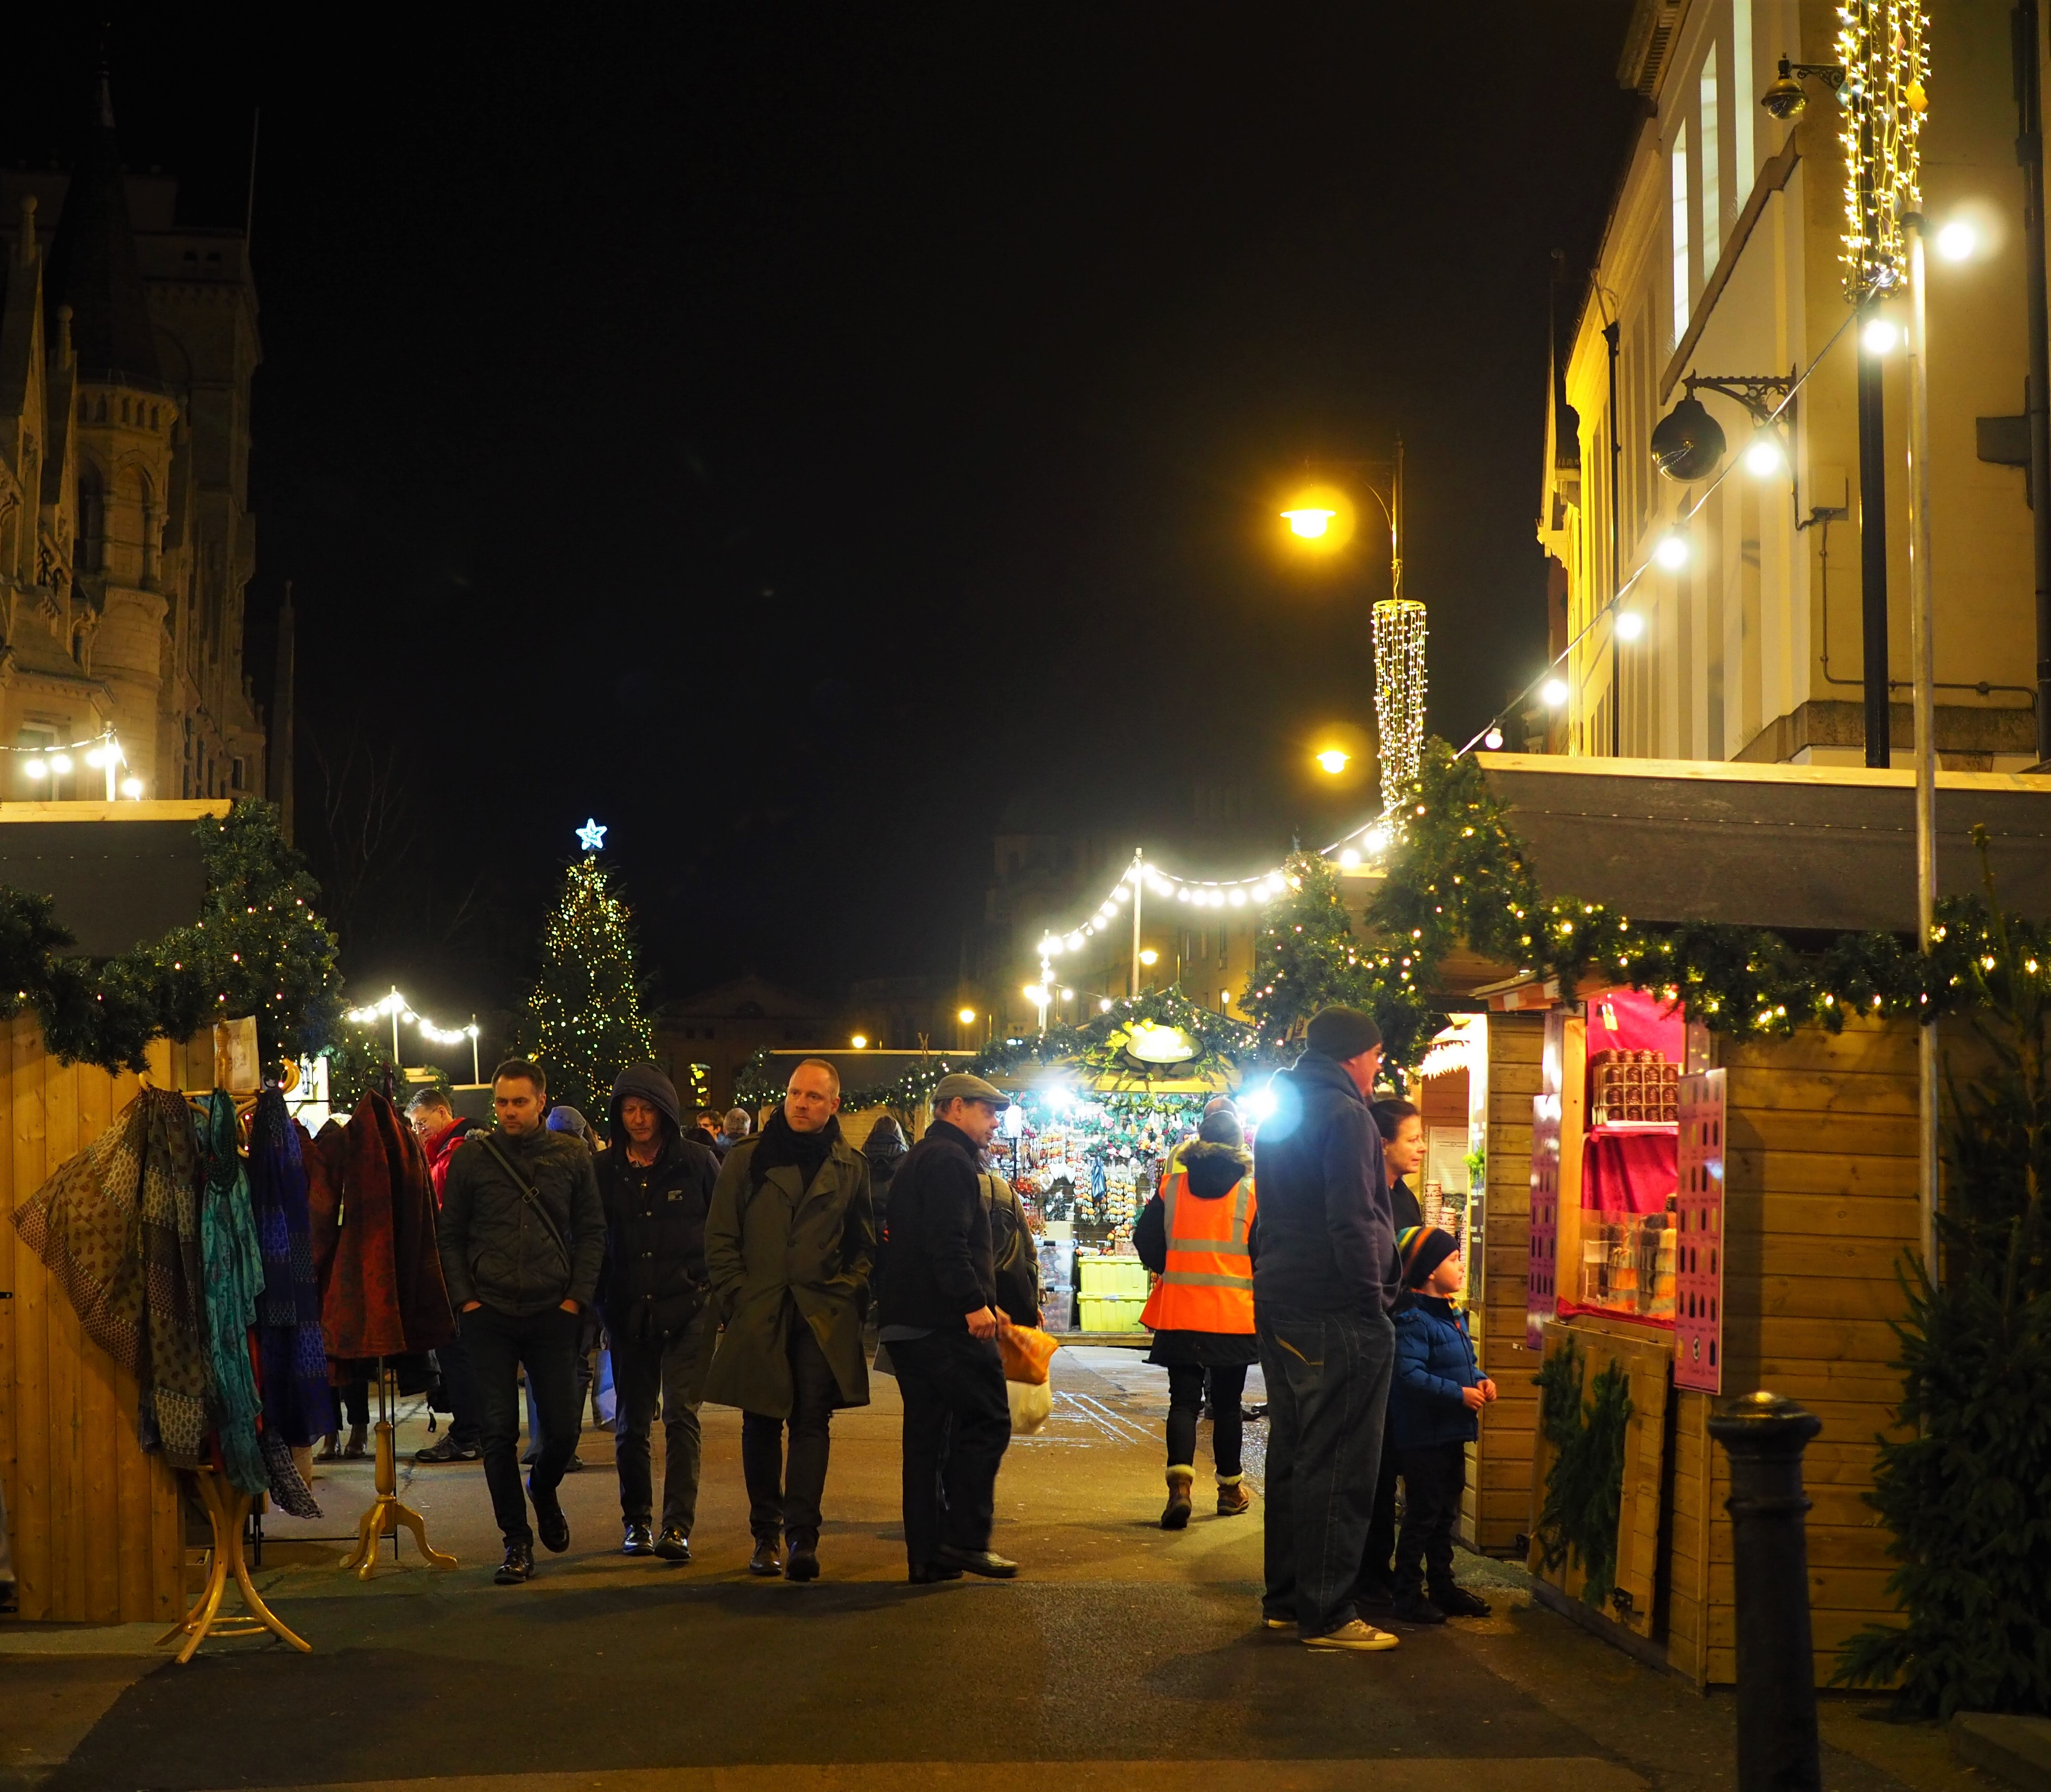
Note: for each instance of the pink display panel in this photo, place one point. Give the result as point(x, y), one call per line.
point(1699, 1279)
point(1541, 1292)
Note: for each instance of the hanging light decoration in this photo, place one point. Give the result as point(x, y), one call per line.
point(1399, 694)
point(1883, 46)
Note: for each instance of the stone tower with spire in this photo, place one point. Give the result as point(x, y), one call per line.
point(127, 348)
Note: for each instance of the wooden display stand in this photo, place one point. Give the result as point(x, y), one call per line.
point(387, 1513)
point(227, 1512)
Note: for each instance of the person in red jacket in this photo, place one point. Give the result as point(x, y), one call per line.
point(440, 1130)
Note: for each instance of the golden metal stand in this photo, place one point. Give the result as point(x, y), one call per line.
point(387, 1513)
point(227, 1512)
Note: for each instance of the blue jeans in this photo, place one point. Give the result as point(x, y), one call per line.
point(1327, 1376)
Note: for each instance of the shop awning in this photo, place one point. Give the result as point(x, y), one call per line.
point(1786, 847)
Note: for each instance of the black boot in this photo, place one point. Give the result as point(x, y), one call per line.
point(638, 1542)
point(518, 1567)
point(1455, 1601)
point(768, 1559)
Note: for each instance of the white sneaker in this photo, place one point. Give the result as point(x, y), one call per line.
point(1357, 1635)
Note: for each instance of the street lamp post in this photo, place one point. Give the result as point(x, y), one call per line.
point(1922, 674)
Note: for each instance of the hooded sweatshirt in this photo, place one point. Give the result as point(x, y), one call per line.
point(654, 1218)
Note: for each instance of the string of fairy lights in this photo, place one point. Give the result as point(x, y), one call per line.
point(1881, 46)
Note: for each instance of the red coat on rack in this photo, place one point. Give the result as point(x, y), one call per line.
point(375, 1254)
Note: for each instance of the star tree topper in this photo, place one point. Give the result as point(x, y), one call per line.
point(591, 836)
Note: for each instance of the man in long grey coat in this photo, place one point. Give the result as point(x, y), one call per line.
point(789, 1246)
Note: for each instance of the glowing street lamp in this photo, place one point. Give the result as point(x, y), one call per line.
point(1630, 625)
point(1310, 523)
point(1334, 759)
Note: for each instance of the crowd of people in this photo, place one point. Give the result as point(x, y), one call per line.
point(759, 1270)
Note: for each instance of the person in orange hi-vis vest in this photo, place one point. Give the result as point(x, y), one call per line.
point(1195, 1235)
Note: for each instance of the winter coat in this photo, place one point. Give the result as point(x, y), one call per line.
point(1326, 1239)
point(373, 1229)
point(1214, 1171)
point(655, 1280)
point(1435, 1359)
point(441, 1146)
point(939, 1266)
point(495, 1248)
point(782, 1254)
point(1015, 1259)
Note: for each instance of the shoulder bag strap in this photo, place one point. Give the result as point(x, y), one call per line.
point(530, 1195)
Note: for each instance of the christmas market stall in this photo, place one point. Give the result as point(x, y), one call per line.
point(152, 1329)
point(1702, 1064)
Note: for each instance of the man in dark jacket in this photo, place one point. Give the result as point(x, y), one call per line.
point(788, 1249)
point(656, 1185)
point(1323, 1280)
point(937, 1311)
point(522, 1239)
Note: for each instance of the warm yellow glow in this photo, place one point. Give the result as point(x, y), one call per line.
point(1150, 957)
point(859, 1042)
point(1320, 519)
point(1334, 759)
point(966, 1016)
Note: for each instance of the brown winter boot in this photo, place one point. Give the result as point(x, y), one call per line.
point(1176, 1516)
point(1233, 1498)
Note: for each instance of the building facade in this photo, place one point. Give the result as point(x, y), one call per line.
point(1722, 258)
point(127, 348)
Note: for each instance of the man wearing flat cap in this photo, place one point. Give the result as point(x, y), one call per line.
point(1324, 1277)
point(937, 1311)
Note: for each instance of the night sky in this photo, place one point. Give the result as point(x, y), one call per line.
point(809, 439)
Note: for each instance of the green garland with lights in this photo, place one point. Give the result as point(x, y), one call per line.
point(258, 949)
point(1461, 873)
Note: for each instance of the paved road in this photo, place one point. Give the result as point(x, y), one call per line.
point(1124, 1657)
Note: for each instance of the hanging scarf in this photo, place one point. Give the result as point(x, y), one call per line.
point(234, 1278)
point(117, 1228)
point(298, 1406)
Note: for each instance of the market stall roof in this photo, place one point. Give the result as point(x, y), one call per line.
point(120, 873)
point(1786, 847)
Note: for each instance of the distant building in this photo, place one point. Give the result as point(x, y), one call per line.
point(1722, 258)
point(128, 346)
point(701, 1040)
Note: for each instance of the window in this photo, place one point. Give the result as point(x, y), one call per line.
point(1743, 99)
point(91, 522)
point(1681, 294)
point(1713, 185)
point(235, 773)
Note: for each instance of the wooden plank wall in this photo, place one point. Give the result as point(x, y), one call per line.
point(1496, 1509)
point(1821, 1199)
point(97, 1526)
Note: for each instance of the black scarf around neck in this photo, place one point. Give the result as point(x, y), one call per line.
point(783, 1146)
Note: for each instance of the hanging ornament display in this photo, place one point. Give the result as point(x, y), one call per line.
point(1883, 46)
point(1399, 694)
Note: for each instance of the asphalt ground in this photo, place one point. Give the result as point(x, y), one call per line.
point(1123, 1656)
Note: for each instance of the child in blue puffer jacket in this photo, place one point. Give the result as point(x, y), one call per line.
point(1439, 1388)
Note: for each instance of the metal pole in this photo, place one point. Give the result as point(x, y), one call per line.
point(1612, 334)
point(476, 1074)
point(395, 1026)
point(2029, 155)
point(1922, 620)
point(1396, 529)
point(1873, 555)
point(1765, 1435)
point(1139, 875)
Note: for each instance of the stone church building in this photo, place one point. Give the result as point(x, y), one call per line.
point(127, 344)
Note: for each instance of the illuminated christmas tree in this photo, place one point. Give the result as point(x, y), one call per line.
point(1306, 957)
point(584, 1022)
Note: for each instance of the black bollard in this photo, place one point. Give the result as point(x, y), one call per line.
point(1764, 1437)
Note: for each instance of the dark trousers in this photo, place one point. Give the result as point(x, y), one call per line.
point(1327, 1376)
point(1434, 1478)
point(1375, 1572)
point(460, 1384)
point(353, 1399)
point(644, 1375)
point(500, 1345)
point(957, 1427)
point(1187, 1383)
point(783, 1495)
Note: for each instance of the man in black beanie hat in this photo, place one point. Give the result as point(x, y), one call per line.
point(1323, 1281)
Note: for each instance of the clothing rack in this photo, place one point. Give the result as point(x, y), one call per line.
point(386, 1513)
point(226, 1513)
